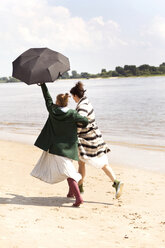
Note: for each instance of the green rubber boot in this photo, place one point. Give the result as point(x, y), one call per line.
point(118, 187)
point(81, 188)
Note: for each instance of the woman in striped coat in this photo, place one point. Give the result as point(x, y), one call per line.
point(92, 148)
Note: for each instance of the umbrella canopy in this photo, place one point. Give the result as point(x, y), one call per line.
point(40, 65)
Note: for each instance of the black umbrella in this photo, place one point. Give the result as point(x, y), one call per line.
point(40, 65)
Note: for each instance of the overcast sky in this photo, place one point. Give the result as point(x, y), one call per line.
point(93, 34)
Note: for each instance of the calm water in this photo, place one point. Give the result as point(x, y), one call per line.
point(130, 113)
point(128, 110)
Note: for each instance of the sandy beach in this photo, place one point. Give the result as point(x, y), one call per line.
point(38, 215)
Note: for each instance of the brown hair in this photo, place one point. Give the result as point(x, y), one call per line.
point(78, 90)
point(62, 99)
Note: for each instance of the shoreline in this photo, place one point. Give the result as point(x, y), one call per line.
point(12, 143)
point(147, 157)
point(16, 134)
point(31, 208)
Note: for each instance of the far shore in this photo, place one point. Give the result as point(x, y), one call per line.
point(98, 78)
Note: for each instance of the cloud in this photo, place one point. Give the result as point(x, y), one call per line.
point(90, 44)
point(34, 23)
point(104, 34)
point(155, 31)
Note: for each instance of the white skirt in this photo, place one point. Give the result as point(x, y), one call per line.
point(52, 168)
point(97, 162)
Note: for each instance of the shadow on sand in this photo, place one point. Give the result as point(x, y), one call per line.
point(42, 201)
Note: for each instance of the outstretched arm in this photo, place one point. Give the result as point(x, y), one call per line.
point(48, 99)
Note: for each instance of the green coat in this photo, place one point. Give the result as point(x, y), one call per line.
point(59, 134)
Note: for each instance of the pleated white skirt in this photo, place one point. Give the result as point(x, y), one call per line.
point(52, 168)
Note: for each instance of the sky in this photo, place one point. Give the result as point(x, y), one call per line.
point(94, 35)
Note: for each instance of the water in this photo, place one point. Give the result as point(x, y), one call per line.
point(129, 111)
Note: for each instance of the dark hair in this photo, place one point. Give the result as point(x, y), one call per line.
point(62, 99)
point(78, 90)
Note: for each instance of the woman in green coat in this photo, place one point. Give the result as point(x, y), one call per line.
point(59, 142)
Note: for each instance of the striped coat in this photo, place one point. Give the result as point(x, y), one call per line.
point(90, 141)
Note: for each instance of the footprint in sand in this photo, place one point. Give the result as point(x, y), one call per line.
point(2, 215)
point(106, 206)
point(17, 208)
point(73, 218)
point(136, 215)
point(84, 217)
point(55, 209)
point(125, 216)
point(36, 220)
point(60, 227)
point(94, 209)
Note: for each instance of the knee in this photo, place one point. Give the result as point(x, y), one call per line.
point(104, 167)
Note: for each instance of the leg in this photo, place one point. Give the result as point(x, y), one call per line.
point(116, 184)
point(75, 189)
point(109, 172)
point(81, 170)
point(70, 193)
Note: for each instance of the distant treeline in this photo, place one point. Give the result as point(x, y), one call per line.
point(126, 71)
point(8, 80)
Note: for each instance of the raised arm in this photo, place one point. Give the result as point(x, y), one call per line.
point(48, 99)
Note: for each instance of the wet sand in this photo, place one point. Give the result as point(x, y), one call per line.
point(35, 214)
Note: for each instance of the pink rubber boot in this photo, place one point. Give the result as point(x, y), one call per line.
point(70, 193)
point(75, 189)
